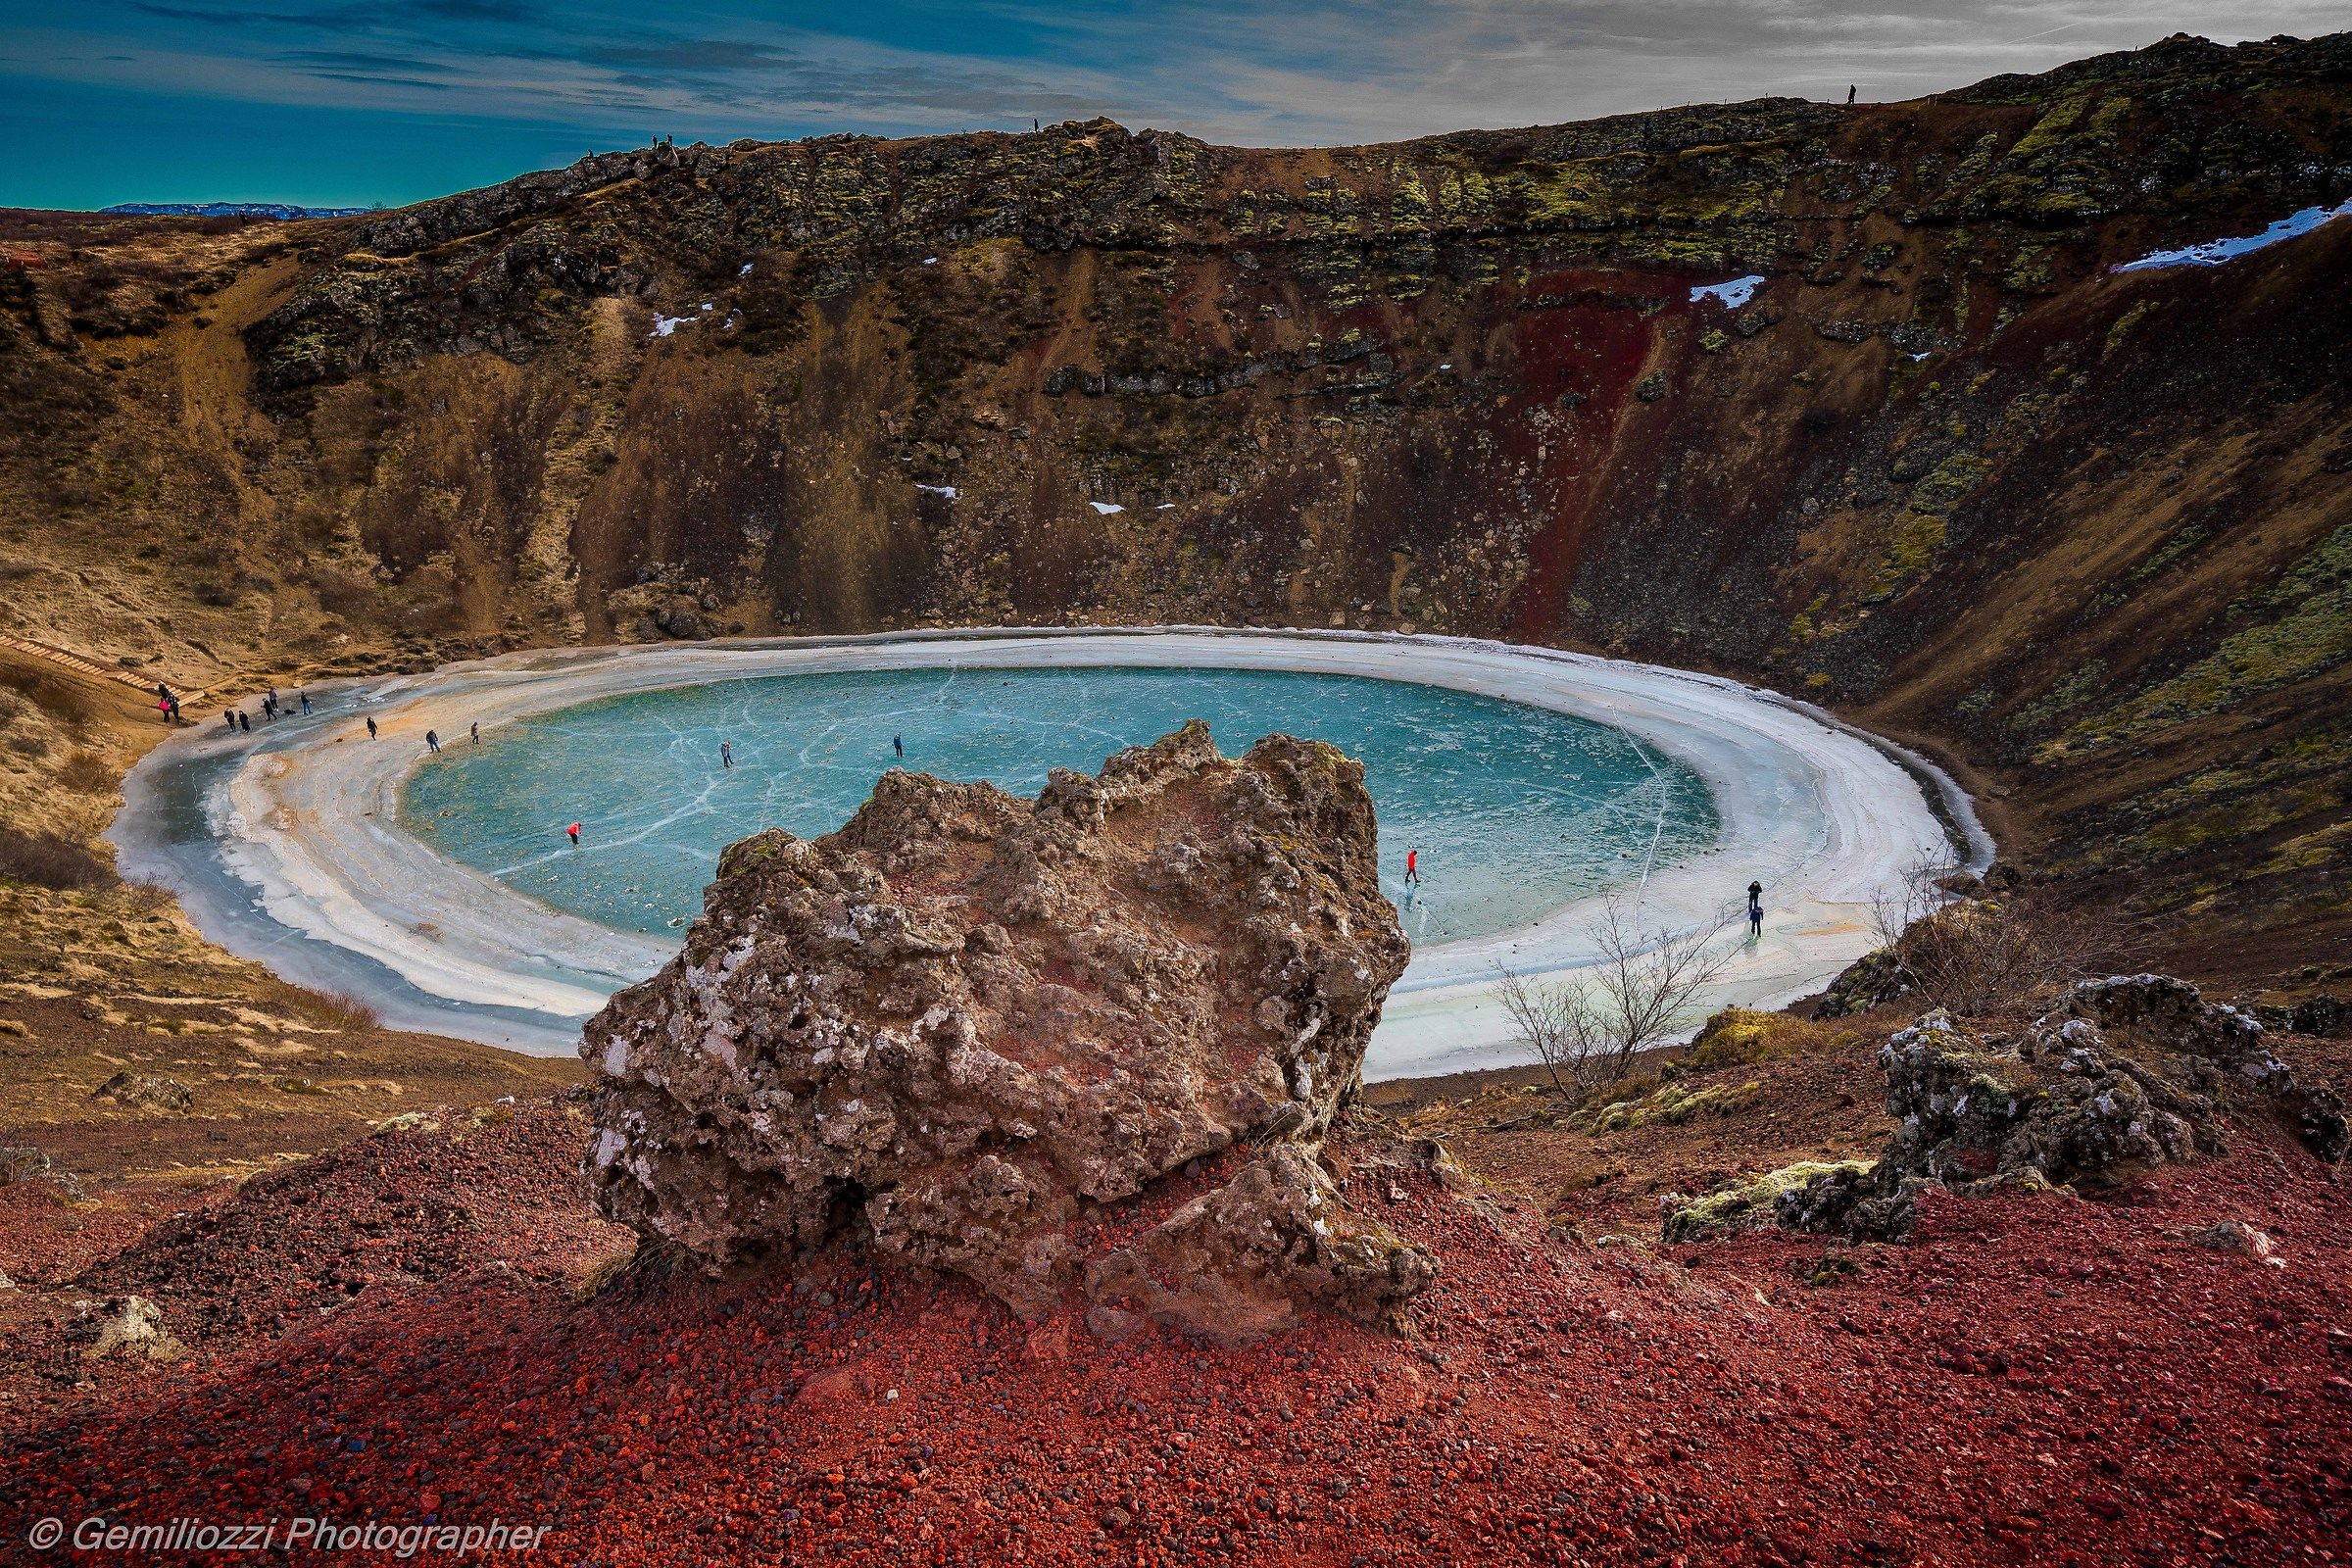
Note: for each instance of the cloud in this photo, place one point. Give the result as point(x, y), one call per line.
point(347, 60)
point(377, 80)
point(512, 13)
point(244, 19)
point(695, 55)
point(1249, 71)
point(356, 18)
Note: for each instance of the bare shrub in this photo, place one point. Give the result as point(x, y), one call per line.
point(146, 897)
point(1587, 1032)
point(339, 1010)
point(87, 773)
point(47, 860)
point(1979, 952)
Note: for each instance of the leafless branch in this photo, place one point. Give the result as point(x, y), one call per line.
point(1586, 1033)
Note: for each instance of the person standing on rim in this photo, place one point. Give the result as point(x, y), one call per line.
point(432, 741)
point(1755, 909)
point(476, 732)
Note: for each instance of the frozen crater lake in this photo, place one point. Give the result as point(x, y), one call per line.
point(443, 890)
point(1515, 811)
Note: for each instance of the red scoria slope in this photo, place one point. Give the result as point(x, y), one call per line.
point(2043, 1380)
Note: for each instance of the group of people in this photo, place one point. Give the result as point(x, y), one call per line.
point(234, 719)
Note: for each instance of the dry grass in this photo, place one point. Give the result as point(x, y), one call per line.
point(61, 696)
point(47, 860)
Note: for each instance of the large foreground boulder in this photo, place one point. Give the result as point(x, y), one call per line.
point(966, 1023)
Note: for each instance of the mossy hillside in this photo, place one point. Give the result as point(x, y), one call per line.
point(2301, 625)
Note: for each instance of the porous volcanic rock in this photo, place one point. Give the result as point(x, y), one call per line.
point(2122, 1076)
point(1239, 1262)
point(966, 1021)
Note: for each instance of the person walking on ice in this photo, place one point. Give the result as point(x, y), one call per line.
point(371, 726)
point(897, 747)
point(1412, 866)
point(726, 754)
point(1755, 910)
point(574, 832)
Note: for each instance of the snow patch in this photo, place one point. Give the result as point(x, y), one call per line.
point(1736, 293)
point(744, 270)
point(1107, 508)
point(663, 326)
point(947, 490)
point(2214, 252)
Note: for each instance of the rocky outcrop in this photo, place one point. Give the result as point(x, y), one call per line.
point(410, 229)
point(965, 1024)
point(1755, 1205)
point(2122, 1075)
point(23, 1163)
point(2239, 1237)
point(2214, 1052)
point(1873, 980)
point(146, 1092)
point(131, 1327)
point(2322, 1014)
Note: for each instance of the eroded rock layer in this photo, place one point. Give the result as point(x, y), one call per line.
point(966, 1023)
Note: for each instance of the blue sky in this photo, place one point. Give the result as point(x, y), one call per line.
point(355, 102)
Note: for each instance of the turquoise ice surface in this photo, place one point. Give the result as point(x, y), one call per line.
point(1515, 809)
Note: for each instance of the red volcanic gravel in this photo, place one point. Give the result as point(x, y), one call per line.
point(2036, 1380)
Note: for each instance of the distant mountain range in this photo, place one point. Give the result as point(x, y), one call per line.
point(276, 210)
